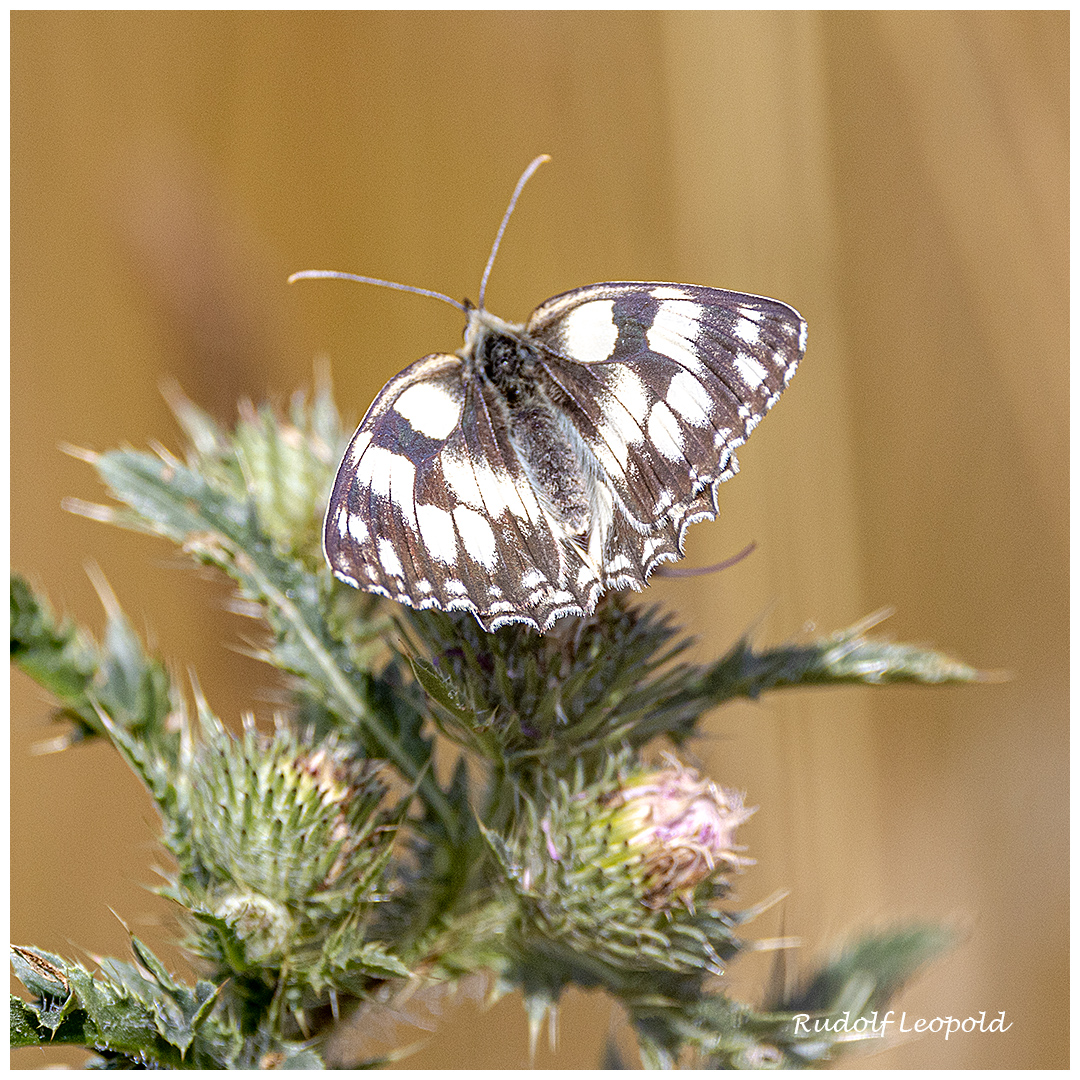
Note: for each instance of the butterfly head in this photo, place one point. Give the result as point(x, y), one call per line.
point(484, 332)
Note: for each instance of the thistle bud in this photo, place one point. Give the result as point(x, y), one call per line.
point(286, 843)
point(681, 828)
point(340, 782)
point(605, 877)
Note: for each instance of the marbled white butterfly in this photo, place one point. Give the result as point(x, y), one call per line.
point(545, 462)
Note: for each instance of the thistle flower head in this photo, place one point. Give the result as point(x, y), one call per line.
point(680, 829)
point(605, 873)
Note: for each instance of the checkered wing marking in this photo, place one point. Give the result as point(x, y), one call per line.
point(432, 507)
point(664, 382)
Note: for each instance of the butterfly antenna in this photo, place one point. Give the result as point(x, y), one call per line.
point(375, 281)
point(533, 166)
point(700, 571)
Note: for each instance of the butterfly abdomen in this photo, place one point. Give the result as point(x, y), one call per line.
point(553, 465)
point(513, 373)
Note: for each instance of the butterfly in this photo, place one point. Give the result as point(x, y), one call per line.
point(548, 461)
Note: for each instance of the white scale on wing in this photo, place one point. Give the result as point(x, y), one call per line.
point(430, 408)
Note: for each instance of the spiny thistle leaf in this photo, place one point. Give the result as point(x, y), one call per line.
point(117, 677)
point(140, 1016)
point(840, 1008)
point(865, 975)
point(845, 657)
point(53, 652)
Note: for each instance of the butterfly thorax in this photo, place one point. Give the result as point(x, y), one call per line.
point(508, 369)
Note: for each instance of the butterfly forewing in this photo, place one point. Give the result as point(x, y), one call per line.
point(520, 492)
point(382, 480)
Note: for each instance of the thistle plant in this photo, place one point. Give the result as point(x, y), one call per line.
point(322, 867)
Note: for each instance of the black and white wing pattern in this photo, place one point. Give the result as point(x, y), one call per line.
point(544, 463)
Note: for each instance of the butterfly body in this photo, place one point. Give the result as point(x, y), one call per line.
point(546, 462)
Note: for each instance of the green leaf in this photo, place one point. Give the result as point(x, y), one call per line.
point(845, 657)
point(117, 677)
point(136, 1016)
point(127, 1014)
point(52, 651)
point(866, 975)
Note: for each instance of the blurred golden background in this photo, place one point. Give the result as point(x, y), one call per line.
point(900, 178)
